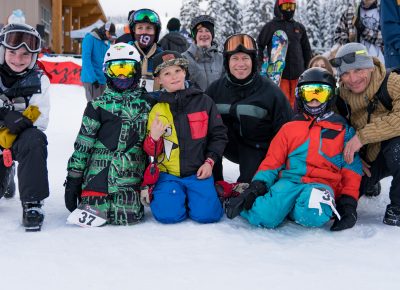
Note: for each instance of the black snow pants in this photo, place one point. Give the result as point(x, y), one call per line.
point(386, 164)
point(30, 150)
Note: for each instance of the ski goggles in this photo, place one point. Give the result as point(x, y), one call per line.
point(347, 58)
point(318, 92)
point(145, 15)
point(17, 38)
point(117, 68)
point(288, 6)
point(233, 42)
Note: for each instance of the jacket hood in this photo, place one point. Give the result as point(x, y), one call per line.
point(179, 96)
point(197, 52)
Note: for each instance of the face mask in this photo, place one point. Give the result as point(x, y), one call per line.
point(122, 84)
point(144, 40)
point(287, 14)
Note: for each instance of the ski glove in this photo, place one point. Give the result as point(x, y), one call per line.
point(235, 205)
point(16, 122)
point(73, 191)
point(346, 206)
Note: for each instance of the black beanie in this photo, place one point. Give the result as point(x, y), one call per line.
point(205, 24)
point(174, 24)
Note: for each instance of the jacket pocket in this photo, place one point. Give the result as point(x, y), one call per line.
point(332, 143)
point(198, 123)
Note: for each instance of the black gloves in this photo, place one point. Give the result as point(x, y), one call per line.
point(346, 206)
point(73, 191)
point(16, 122)
point(235, 205)
point(96, 84)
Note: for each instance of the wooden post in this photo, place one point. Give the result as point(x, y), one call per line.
point(67, 29)
point(76, 44)
point(56, 25)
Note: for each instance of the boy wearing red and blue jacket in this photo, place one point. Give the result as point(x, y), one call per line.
point(304, 171)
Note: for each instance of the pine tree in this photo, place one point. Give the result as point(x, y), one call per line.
point(252, 18)
point(189, 10)
point(233, 21)
point(313, 24)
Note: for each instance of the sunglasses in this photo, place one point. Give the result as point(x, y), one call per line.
point(118, 68)
point(17, 38)
point(244, 40)
point(288, 6)
point(347, 58)
point(318, 92)
point(145, 15)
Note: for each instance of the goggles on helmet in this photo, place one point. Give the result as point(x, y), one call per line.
point(288, 6)
point(145, 15)
point(319, 92)
point(233, 42)
point(347, 58)
point(118, 68)
point(16, 38)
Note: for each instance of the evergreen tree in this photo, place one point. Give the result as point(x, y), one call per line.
point(252, 18)
point(313, 25)
point(233, 21)
point(189, 10)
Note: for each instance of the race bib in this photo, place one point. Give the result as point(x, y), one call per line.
point(319, 196)
point(147, 83)
point(87, 216)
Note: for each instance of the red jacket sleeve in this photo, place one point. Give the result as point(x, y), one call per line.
point(149, 146)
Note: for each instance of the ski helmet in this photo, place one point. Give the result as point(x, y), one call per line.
point(240, 42)
point(207, 22)
point(316, 76)
point(122, 59)
point(145, 16)
point(15, 35)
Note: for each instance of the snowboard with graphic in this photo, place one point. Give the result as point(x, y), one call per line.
point(264, 65)
point(277, 61)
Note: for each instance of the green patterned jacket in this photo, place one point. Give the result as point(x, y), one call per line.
point(108, 149)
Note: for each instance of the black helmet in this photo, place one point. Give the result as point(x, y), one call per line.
point(145, 16)
point(15, 35)
point(208, 21)
point(316, 75)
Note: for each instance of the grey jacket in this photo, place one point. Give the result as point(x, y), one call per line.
point(205, 65)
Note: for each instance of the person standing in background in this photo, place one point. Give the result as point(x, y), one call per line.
point(174, 40)
point(94, 47)
point(390, 23)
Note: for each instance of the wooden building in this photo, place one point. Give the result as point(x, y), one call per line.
point(55, 19)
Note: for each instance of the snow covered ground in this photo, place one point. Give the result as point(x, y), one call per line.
point(227, 255)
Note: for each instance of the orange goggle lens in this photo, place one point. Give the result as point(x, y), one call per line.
point(318, 92)
point(118, 68)
point(233, 42)
point(288, 6)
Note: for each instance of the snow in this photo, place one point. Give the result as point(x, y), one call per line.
point(230, 254)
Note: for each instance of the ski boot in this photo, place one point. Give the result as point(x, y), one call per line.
point(373, 190)
point(392, 215)
point(8, 185)
point(32, 216)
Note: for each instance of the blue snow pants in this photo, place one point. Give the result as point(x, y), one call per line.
point(286, 198)
point(175, 198)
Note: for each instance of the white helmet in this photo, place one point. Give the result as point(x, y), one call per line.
point(121, 51)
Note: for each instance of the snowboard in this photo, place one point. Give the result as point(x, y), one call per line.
point(277, 61)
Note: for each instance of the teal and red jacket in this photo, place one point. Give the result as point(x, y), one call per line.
point(306, 150)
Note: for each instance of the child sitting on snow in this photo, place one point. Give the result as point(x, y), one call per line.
point(106, 168)
point(304, 171)
point(188, 136)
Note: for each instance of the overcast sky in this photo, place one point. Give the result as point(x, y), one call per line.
point(165, 8)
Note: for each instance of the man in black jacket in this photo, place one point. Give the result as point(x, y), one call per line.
point(174, 40)
point(299, 51)
point(251, 106)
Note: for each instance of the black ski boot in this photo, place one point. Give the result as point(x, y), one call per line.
point(32, 216)
point(392, 215)
point(8, 185)
point(373, 190)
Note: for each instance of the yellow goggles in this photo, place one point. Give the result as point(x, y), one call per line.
point(318, 92)
point(118, 68)
point(288, 6)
